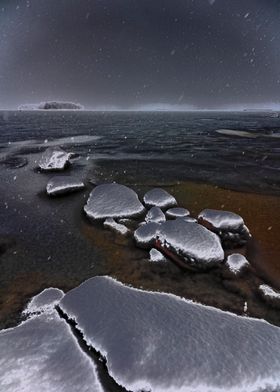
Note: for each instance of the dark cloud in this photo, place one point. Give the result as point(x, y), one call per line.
point(127, 53)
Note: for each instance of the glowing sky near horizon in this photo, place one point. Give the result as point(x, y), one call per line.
point(140, 53)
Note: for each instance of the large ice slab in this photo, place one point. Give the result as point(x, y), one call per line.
point(42, 354)
point(113, 201)
point(175, 345)
point(61, 185)
point(54, 158)
point(159, 198)
point(194, 243)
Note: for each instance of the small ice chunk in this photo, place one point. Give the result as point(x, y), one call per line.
point(159, 198)
point(268, 291)
point(44, 301)
point(189, 219)
point(117, 227)
point(63, 184)
point(220, 219)
point(113, 201)
point(236, 263)
point(54, 159)
point(177, 212)
point(155, 215)
point(156, 256)
point(146, 234)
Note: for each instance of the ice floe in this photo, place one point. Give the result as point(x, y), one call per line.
point(110, 223)
point(159, 198)
point(63, 184)
point(155, 214)
point(45, 301)
point(54, 159)
point(113, 201)
point(177, 212)
point(175, 345)
point(270, 296)
point(42, 354)
point(146, 234)
point(228, 225)
point(236, 263)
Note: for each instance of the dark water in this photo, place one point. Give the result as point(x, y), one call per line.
point(49, 243)
point(178, 146)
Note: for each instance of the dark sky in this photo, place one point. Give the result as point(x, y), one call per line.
point(140, 53)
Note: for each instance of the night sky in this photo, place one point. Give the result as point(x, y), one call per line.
point(141, 53)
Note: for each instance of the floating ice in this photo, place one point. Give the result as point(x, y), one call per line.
point(117, 227)
point(175, 345)
point(63, 184)
point(228, 225)
point(42, 354)
point(236, 263)
point(177, 212)
point(159, 198)
point(155, 215)
point(44, 301)
point(54, 159)
point(156, 256)
point(113, 201)
point(235, 132)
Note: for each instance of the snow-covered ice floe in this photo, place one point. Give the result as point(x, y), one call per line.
point(177, 212)
point(236, 263)
point(175, 345)
point(54, 159)
point(228, 225)
point(60, 185)
point(156, 256)
point(195, 244)
point(42, 354)
point(155, 214)
point(113, 201)
point(110, 223)
point(271, 296)
point(159, 198)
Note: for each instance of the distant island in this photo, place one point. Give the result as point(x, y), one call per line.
point(51, 105)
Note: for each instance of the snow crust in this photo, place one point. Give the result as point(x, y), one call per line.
point(155, 214)
point(54, 159)
point(63, 184)
point(113, 201)
point(159, 198)
point(175, 345)
point(236, 262)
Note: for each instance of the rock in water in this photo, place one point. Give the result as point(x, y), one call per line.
point(236, 263)
point(155, 215)
point(159, 198)
point(110, 223)
point(113, 201)
point(42, 354)
point(228, 225)
point(193, 243)
point(61, 185)
point(177, 212)
point(54, 159)
point(161, 343)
